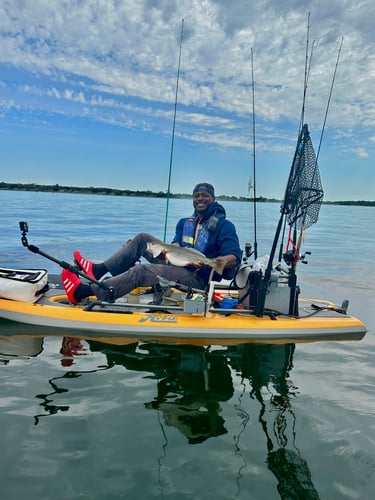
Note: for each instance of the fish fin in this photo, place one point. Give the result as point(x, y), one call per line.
point(194, 251)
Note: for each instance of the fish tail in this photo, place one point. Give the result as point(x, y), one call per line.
point(219, 266)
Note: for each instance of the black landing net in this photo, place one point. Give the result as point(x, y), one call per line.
point(304, 192)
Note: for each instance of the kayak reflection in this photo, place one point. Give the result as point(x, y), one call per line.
point(193, 383)
point(19, 348)
point(193, 380)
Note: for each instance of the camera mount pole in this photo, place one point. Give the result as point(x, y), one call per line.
point(24, 228)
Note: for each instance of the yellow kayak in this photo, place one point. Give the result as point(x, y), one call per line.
point(179, 320)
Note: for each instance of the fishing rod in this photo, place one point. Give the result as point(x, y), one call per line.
point(24, 228)
point(173, 132)
point(254, 162)
point(316, 172)
point(307, 73)
point(329, 98)
point(308, 59)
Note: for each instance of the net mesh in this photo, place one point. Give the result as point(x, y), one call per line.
point(304, 192)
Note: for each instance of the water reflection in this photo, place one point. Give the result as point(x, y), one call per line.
point(193, 383)
point(71, 347)
point(267, 369)
point(19, 348)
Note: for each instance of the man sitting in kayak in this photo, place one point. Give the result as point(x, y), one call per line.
point(208, 231)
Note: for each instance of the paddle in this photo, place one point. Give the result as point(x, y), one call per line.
point(24, 228)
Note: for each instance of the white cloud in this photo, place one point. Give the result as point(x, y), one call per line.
point(115, 61)
point(131, 48)
point(362, 153)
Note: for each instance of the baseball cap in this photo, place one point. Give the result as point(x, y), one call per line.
point(204, 187)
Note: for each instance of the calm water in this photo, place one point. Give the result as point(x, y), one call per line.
point(89, 420)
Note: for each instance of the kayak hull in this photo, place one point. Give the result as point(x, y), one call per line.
point(53, 311)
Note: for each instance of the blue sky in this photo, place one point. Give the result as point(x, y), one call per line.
point(87, 93)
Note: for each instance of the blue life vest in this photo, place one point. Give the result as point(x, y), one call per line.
point(196, 234)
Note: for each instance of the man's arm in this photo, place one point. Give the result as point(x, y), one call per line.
point(229, 245)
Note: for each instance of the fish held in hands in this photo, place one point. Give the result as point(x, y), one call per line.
point(184, 256)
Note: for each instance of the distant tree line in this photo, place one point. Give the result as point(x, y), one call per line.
point(360, 203)
point(56, 188)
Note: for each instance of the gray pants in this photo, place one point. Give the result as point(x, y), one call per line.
point(128, 274)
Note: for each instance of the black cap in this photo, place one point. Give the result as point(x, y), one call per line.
point(204, 187)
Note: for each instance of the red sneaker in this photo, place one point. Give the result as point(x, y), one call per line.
point(84, 264)
point(71, 282)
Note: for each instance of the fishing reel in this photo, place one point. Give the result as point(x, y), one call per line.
point(303, 257)
point(290, 257)
point(248, 252)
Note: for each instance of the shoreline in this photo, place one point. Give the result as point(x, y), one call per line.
point(56, 188)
